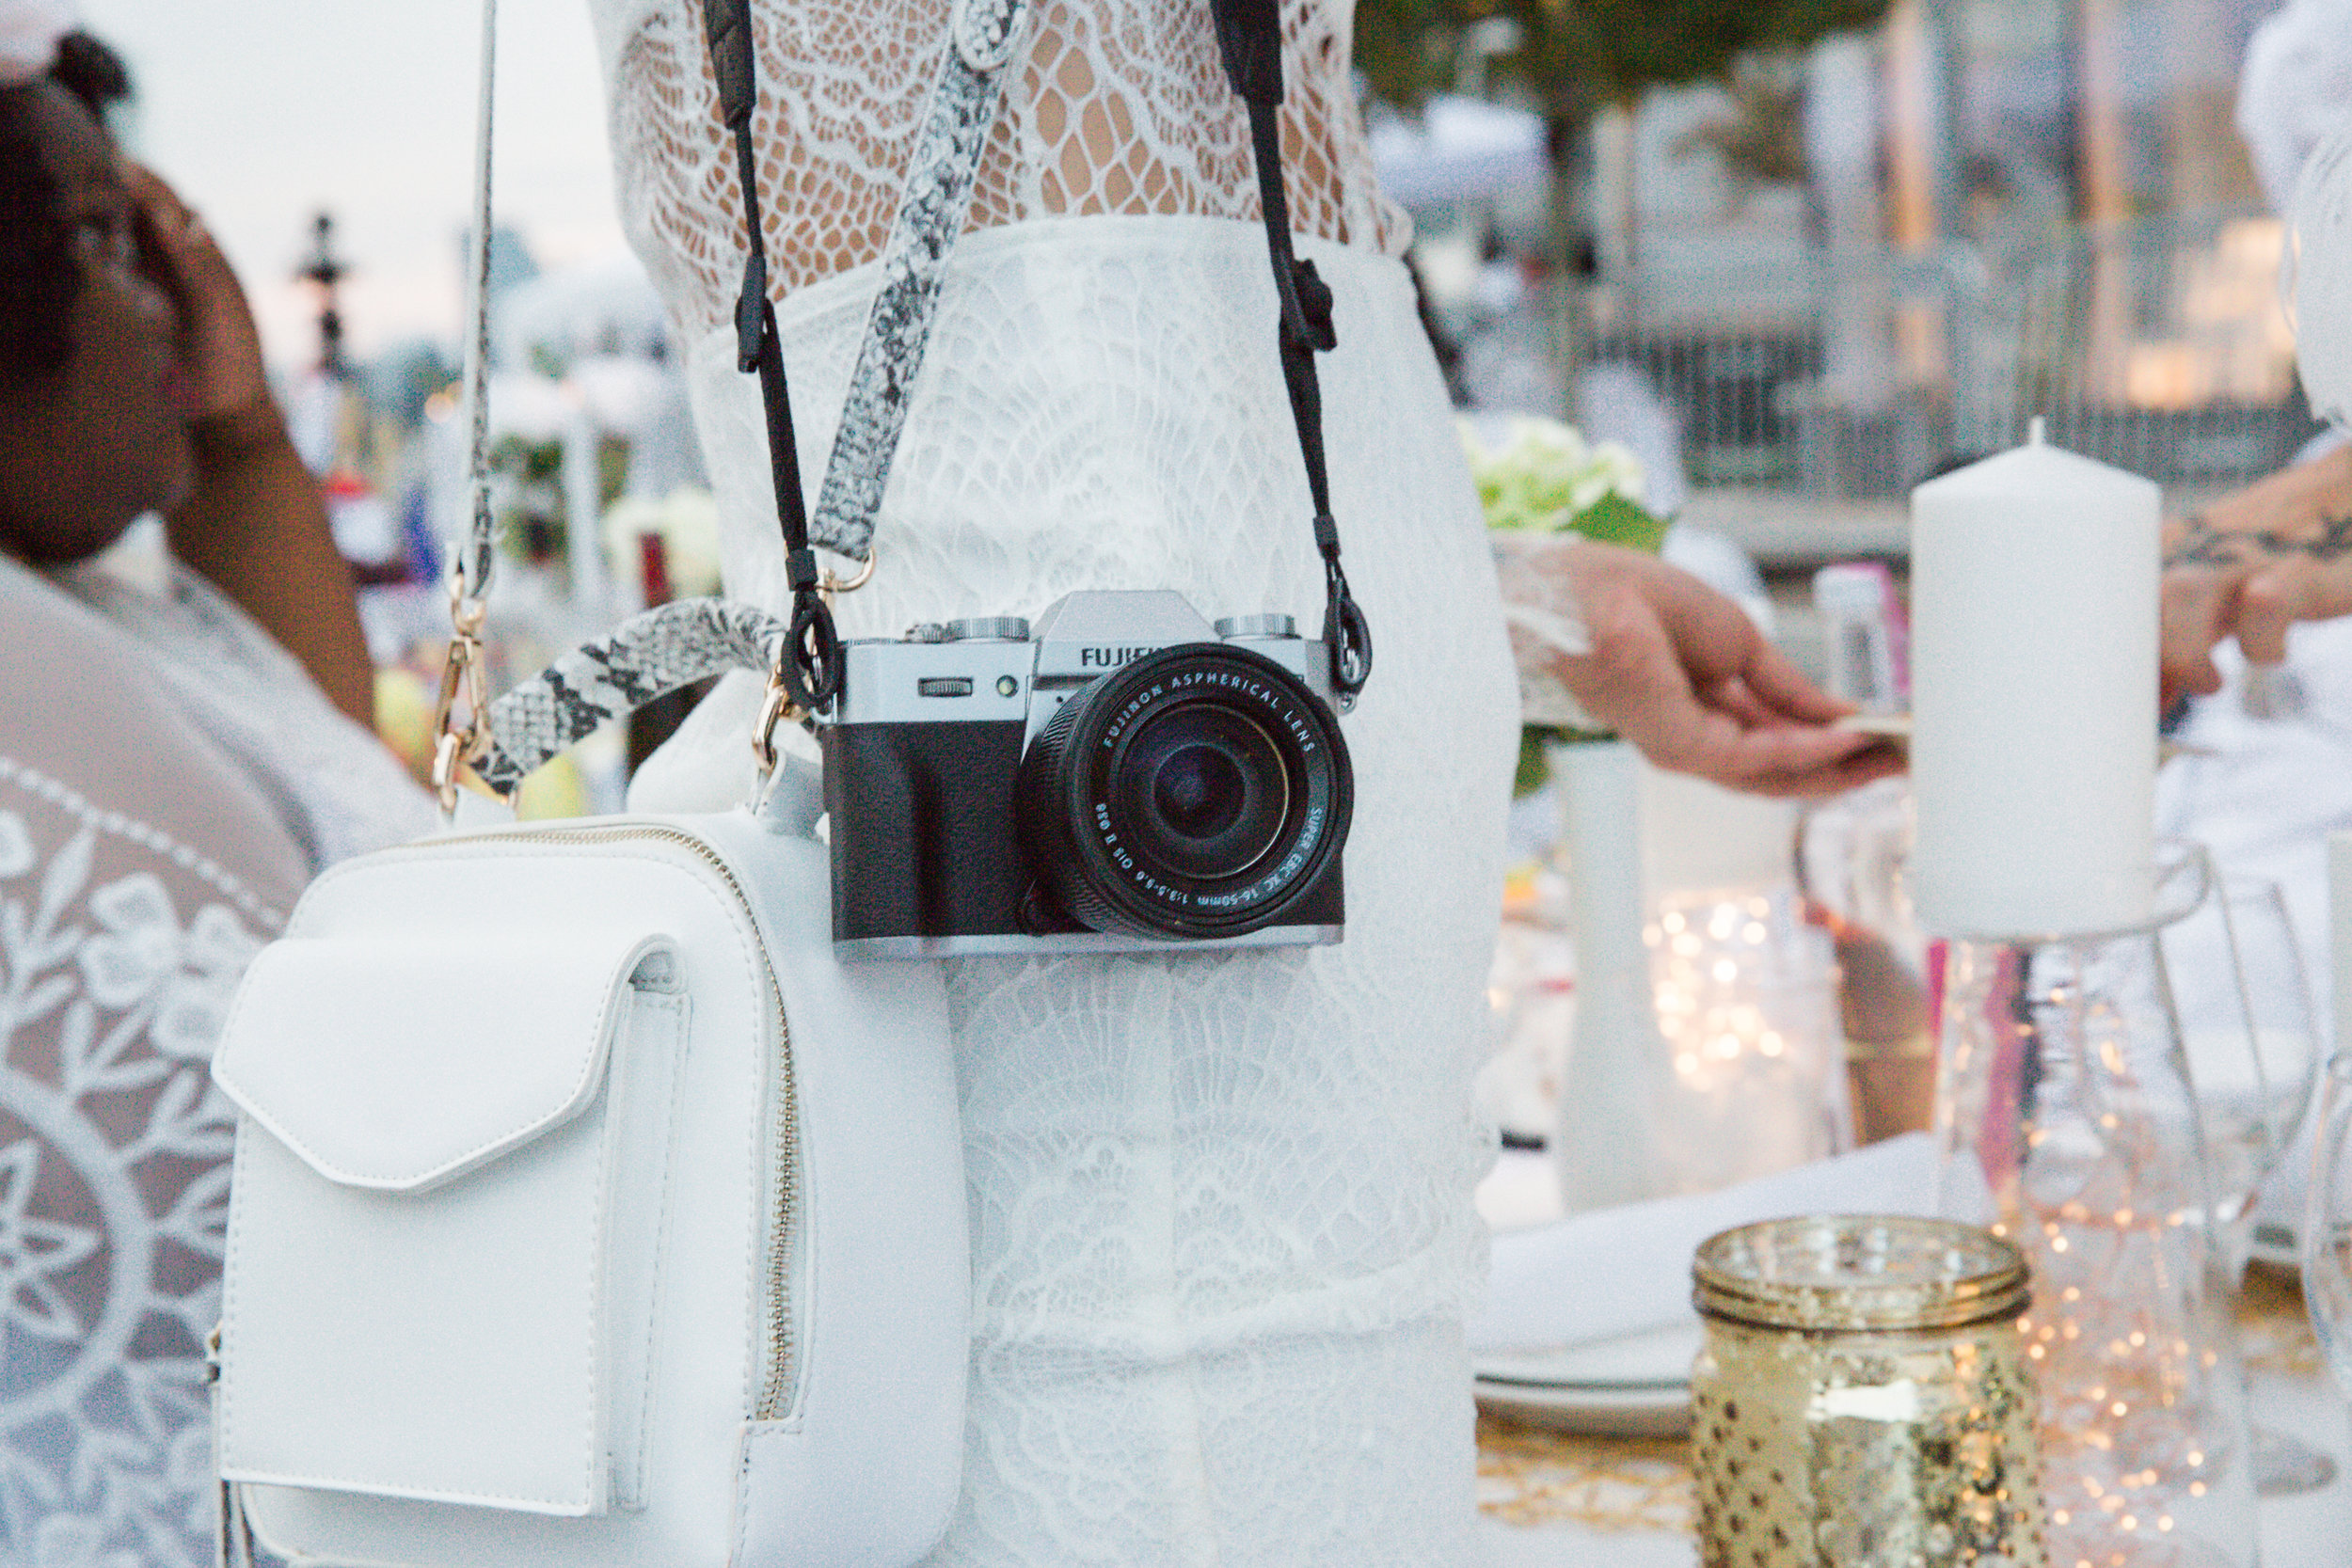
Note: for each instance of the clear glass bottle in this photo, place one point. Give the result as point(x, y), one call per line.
point(1863, 1396)
point(2069, 1126)
point(1861, 624)
point(1851, 858)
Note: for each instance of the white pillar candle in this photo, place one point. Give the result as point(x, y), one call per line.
point(2033, 750)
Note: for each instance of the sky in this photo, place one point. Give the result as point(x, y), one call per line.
point(264, 112)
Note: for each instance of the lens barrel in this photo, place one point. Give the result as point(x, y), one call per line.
point(1199, 791)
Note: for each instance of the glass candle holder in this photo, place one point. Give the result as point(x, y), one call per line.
point(1863, 1396)
point(2069, 1126)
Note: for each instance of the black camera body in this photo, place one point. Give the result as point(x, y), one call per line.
point(1126, 778)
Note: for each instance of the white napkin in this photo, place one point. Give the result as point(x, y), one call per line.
point(1615, 1271)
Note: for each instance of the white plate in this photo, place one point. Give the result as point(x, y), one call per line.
point(1638, 1386)
point(1654, 1358)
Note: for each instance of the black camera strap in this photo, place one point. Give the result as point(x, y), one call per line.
point(931, 215)
point(1250, 37)
point(811, 665)
point(665, 648)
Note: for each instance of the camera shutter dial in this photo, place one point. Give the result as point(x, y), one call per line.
point(989, 629)
point(1257, 625)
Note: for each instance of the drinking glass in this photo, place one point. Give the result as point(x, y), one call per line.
point(2247, 1026)
point(2069, 1126)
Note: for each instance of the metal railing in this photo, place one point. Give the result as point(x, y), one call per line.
point(2160, 348)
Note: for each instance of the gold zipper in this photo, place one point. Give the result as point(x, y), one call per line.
point(773, 1401)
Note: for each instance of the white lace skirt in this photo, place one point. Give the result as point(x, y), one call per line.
point(1221, 1221)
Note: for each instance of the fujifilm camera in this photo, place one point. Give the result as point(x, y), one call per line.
point(1122, 777)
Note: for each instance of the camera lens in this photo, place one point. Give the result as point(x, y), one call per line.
point(1199, 791)
point(1206, 788)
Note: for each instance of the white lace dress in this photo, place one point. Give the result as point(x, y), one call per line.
point(1220, 1205)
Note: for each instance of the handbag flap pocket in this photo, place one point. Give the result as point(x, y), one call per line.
point(350, 1052)
point(457, 1078)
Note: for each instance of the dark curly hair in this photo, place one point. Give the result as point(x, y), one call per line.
point(40, 277)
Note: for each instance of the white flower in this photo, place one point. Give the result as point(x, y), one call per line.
point(143, 954)
point(141, 948)
point(195, 1001)
point(16, 846)
point(1546, 475)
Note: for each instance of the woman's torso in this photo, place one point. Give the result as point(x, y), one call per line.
point(1221, 1228)
point(140, 871)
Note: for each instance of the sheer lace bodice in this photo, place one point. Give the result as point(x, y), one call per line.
point(169, 777)
point(1120, 108)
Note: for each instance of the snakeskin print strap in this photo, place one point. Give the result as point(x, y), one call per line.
point(930, 215)
point(679, 644)
point(646, 656)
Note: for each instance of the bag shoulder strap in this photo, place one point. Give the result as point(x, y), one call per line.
point(678, 643)
point(931, 213)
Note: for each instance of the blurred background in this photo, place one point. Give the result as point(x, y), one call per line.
point(1843, 241)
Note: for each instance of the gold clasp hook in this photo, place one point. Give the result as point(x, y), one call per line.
point(777, 706)
point(831, 587)
point(455, 752)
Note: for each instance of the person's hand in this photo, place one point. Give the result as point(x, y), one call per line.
point(255, 522)
point(219, 344)
point(2252, 564)
point(1681, 671)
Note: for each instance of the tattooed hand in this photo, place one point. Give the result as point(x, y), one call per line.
point(2253, 564)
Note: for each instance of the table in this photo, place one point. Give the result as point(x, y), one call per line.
point(1552, 1500)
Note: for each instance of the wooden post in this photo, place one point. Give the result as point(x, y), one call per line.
point(1911, 222)
point(2105, 198)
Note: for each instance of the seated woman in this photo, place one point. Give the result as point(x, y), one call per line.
point(172, 770)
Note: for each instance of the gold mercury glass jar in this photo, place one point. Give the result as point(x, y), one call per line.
point(1862, 1398)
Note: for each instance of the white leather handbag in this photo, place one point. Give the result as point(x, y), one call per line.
point(587, 1212)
